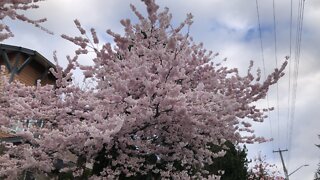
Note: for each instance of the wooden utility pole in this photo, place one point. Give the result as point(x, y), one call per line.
point(284, 166)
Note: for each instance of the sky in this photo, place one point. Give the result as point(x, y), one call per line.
point(230, 28)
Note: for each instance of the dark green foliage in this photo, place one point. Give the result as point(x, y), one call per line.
point(317, 174)
point(234, 163)
point(101, 161)
point(104, 159)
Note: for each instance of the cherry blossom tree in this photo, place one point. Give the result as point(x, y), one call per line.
point(262, 170)
point(11, 9)
point(160, 102)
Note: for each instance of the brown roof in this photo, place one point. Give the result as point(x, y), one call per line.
point(10, 138)
point(37, 56)
point(5, 135)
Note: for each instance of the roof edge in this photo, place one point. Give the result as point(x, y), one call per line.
point(31, 52)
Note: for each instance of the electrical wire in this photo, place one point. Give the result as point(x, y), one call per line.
point(296, 67)
point(289, 80)
point(264, 69)
point(276, 59)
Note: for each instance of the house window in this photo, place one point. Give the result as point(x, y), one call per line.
point(26, 124)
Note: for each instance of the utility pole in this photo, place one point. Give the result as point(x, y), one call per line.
point(284, 166)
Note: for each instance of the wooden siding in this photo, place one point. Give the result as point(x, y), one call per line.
point(30, 73)
point(5, 73)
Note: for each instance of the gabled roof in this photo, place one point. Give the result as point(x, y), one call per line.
point(36, 56)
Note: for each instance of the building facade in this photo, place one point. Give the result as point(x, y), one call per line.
point(27, 66)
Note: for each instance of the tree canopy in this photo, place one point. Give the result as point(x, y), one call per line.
point(160, 104)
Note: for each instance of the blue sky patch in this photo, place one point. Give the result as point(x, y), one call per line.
point(219, 26)
point(253, 32)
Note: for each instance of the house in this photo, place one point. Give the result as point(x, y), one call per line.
point(27, 66)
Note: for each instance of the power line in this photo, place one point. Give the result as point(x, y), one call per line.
point(295, 72)
point(290, 28)
point(296, 66)
point(300, 35)
point(294, 86)
point(261, 44)
point(289, 74)
point(276, 58)
point(264, 68)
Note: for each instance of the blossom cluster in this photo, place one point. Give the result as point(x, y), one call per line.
point(11, 9)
